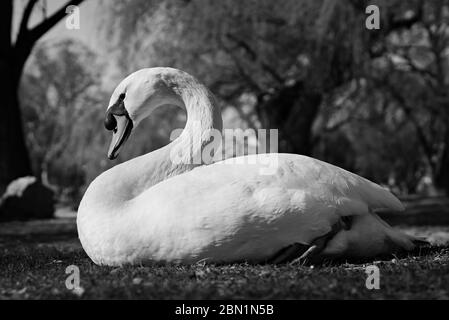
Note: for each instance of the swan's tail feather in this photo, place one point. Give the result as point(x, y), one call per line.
point(378, 197)
point(398, 240)
point(384, 199)
point(401, 239)
point(370, 236)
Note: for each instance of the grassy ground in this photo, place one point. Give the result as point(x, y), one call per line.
point(34, 256)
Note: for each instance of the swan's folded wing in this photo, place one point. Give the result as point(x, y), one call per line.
point(326, 182)
point(345, 184)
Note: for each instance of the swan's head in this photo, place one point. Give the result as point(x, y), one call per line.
point(136, 97)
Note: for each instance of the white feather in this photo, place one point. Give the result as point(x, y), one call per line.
point(147, 209)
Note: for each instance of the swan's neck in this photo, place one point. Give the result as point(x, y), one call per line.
point(131, 178)
point(104, 217)
point(203, 118)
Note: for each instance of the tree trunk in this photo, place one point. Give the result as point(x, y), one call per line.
point(442, 174)
point(293, 110)
point(14, 159)
point(299, 126)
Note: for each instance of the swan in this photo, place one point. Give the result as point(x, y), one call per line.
point(154, 209)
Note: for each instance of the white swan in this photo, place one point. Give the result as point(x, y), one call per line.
point(154, 209)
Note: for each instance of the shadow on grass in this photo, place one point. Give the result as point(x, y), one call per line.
point(33, 238)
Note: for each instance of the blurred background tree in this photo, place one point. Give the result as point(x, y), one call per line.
point(312, 70)
point(60, 98)
point(64, 102)
point(281, 59)
point(14, 52)
point(371, 101)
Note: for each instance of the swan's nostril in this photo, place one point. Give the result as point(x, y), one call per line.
point(109, 122)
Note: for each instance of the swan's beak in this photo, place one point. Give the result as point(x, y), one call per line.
point(120, 135)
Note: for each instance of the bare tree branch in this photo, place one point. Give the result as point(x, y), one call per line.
point(26, 17)
point(425, 144)
point(39, 30)
point(253, 83)
point(253, 55)
point(27, 38)
point(31, 36)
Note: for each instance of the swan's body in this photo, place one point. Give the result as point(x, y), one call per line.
point(150, 209)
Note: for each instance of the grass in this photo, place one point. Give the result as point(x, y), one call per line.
point(34, 256)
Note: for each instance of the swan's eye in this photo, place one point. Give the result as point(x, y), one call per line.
point(109, 122)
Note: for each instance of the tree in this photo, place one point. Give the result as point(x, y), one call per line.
point(14, 158)
point(291, 58)
point(63, 101)
point(412, 70)
point(289, 66)
point(280, 55)
point(60, 97)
